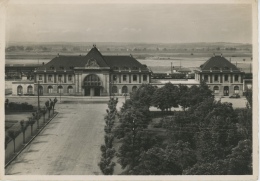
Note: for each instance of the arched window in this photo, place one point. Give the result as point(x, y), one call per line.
point(114, 89)
point(70, 89)
point(124, 89)
point(50, 89)
point(60, 89)
point(216, 89)
point(92, 80)
point(29, 89)
point(134, 88)
point(215, 68)
point(236, 89)
point(19, 90)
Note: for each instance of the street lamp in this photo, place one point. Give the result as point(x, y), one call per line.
point(38, 95)
point(60, 90)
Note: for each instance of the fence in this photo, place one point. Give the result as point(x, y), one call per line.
point(9, 151)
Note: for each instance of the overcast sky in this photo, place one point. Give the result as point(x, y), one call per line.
point(169, 23)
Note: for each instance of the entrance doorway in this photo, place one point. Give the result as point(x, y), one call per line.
point(93, 85)
point(97, 91)
point(87, 92)
point(226, 91)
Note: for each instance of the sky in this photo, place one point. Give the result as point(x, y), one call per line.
point(140, 23)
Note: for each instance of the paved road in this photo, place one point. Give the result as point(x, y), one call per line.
point(69, 145)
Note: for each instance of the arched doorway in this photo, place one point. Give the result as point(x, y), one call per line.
point(29, 89)
point(124, 90)
point(92, 85)
point(226, 91)
point(19, 90)
point(40, 90)
point(236, 90)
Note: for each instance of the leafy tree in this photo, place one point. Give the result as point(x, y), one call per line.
point(13, 134)
point(240, 160)
point(184, 99)
point(24, 126)
point(144, 94)
point(166, 97)
point(31, 122)
point(133, 144)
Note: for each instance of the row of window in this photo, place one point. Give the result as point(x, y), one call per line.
point(216, 77)
point(124, 89)
point(50, 78)
point(49, 89)
point(20, 89)
point(60, 89)
point(134, 77)
point(216, 89)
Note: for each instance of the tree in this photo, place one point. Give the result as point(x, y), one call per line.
point(55, 100)
point(44, 111)
point(24, 126)
point(240, 160)
point(144, 94)
point(13, 134)
point(184, 97)
point(31, 122)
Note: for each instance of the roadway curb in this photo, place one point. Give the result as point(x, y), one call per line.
point(20, 151)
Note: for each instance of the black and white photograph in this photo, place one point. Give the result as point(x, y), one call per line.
point(112, 89)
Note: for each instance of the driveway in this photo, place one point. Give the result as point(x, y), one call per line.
point(69, 144)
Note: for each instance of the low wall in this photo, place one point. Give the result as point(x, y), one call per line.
point(9, 151)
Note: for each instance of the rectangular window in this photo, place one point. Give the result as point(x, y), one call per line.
point(134, 77)
point(226, 78)
point(50, 78)
point(236, 77)
point(114, 77)
point(144, 77)
point(206, 78)
point(70, 78)
point(40, 77)
point(215, 77)
point(59, 78)
point(124, 77)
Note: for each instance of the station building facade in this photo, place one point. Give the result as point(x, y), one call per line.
point(223, 77)
point(89, 75)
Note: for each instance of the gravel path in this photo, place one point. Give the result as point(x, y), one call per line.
point(69, 145)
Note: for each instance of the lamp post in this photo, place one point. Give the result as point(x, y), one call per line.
point(38, 95)
point(60, 90)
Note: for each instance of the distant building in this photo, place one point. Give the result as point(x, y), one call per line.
point(89, 75)
point(223, 77)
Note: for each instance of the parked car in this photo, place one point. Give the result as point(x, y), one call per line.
point(235, 96)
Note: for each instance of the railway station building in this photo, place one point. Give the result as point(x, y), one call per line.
point(88, 75)
point(223, 77)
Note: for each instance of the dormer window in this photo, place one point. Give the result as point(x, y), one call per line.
point(135, 68)
point(71, 67)
point(215, 68)
point(115, 68)
point(125, 68)
point(61, 67)
point(226, 68)
point(52, 67)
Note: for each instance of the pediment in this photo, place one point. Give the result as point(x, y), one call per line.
point(92, 63)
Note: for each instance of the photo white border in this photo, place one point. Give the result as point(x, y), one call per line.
point(5, 3)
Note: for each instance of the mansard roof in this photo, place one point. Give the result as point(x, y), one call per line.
point(69, 62)
point(218, 63)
